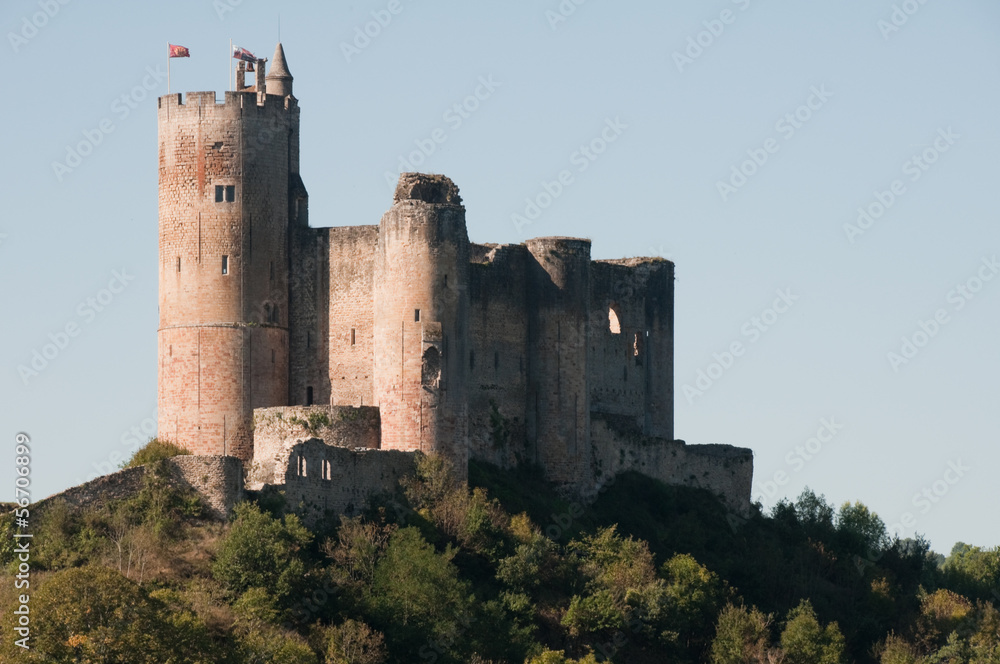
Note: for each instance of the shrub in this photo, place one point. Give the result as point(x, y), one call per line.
point(154, 450)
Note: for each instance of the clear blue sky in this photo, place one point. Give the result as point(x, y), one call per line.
point(879, 98)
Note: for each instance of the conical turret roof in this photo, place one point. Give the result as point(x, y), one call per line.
point(279, 69)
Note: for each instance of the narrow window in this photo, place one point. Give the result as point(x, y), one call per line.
point(178, 263)
point(446, 281)
point(309, 396)
point(219, 191)
point(302, 465)
point(416, 315)
point(327, 470)
point(225, 265)
point(272, 356)
point(171, 350)
point(230, 193)
point(637, 348)
point(353, 336)
point(274, 314)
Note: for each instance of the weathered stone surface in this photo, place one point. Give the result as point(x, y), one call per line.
point(507, 353)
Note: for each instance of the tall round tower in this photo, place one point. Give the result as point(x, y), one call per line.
point(224, 208)
point(421, 320)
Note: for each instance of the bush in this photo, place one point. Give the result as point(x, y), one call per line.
point(154, 450)
point(260, 551)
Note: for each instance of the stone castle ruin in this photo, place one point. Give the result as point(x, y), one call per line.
point(324, 357)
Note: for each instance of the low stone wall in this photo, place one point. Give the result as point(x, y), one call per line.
point(276, 430)
point(724, 470)
point(323, 479)
point(217, 480)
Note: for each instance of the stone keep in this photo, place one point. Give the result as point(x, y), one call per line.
point(526, 353)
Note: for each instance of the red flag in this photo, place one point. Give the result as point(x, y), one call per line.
point(179, 51)
point(243, 54)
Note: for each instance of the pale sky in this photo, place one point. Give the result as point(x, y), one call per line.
point(825, 107)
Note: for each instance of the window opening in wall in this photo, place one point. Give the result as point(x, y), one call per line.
point(225, 265)
point(219, 193)
point(430, 373)
point(178, 263)
point(302, 465)
point(416, 315)
point(230, 193)
point(272, 356)
point(274, 314)
point(614, 320)
point(353, 336)
point(309, 396)
point(327, 470)
point(637, 348)
point(171, 350)
point(446, 281)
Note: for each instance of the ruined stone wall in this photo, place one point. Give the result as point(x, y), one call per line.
point(277, 430)
point(217, 480)
point(630, 361)
point(724, 470)
point(351, 329)
point(421, 320)
point(223, 340)
point(321, 479)
point(558, 412)
point(498, 353)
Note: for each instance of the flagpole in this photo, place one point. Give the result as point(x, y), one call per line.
point(229, 66)
point(168, 68)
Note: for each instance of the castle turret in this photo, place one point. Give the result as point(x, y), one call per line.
point(224, 201)
point(421, 320)
point(279, 79)
point(558, 411)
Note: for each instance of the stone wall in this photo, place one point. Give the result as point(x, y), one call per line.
point(321, 479)
point(724, 470)
point(217, 480)
point(277, 430)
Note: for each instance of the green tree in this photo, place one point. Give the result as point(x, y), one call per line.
point(154, 450)
point(260, 551)
point(417, 596)
point(805, 641)
point(742, 636)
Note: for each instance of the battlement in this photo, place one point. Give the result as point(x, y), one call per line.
point(206, 104)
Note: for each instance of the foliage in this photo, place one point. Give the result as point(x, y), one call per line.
point(805, 641)
point(741, 635)
point(352, 642)
point(153, 451)
point(260, 551)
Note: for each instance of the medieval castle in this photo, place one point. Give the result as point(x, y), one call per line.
point(323, 357)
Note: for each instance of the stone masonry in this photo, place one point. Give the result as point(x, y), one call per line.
point(402, 335)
